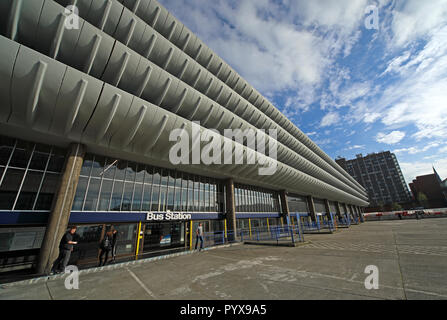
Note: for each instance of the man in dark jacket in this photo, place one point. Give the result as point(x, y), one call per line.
point(65, 249)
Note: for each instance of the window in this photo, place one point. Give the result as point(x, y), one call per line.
point(115, 185)
point(29, 174)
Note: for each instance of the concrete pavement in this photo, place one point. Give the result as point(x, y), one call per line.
point(411, 257)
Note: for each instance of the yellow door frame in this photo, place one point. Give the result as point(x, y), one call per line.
point(139, 237)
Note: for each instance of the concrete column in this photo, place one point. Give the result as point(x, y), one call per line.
point(311, 205)
point(284, 204)
point(231, 210)
point(328, 209)
point(345, 207)
point(338, 208)
point(351, 210)
point(362, 219)
point(60, 214)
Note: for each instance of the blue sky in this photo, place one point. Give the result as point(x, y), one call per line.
point(351, 89)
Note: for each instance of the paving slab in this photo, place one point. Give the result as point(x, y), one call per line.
point(411, 257)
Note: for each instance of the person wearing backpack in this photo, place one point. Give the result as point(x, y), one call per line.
point(106, 247)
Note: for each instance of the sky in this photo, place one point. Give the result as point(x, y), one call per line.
point(357, 76)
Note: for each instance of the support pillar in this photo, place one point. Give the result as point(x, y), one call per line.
point(60, 214)
point(362, 219)
point(338, 208)
point(311, 205)
point(345, 208)
point(284, 205)
point(328, 209)
point(231, 210)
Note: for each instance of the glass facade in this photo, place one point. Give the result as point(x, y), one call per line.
point(29, 175)
point(253, 199)
point(107, 184)
point(297, 204)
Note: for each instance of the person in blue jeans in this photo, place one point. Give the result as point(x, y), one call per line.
point(199, 236)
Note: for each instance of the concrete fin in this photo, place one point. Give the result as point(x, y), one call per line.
point(35, 92)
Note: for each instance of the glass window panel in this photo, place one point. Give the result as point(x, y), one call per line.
point(147, 197)
point(42, 148)
point(80, 194)
point(207, 202)
point(48, 191)
point(126, 204)
point(87, 165)
point(29, 191)
point(137, 197)
point(163, 194)
point(266, 202)
point(106, 193)
point(126, 238)
point(10, 187)
point(6, 147)
point(121, 167)
point(39, 161)
point(130, 172)
point(155, 198)
point(91, 200)
point(141, 169)
point(110, 169)
point(202, 197)
point(178, 181)
point(212, 202)
point(117, 195)
point(99, 164)
point(157, 176)
point(178, 198)
point(57, 160)
point(196, 196)
point(184, 199)
point(170, 200)
point(236, 199)
point(164, 177)
point(148, 175)
point(171, 176)
point(22, 154)
point(88, 238)
point(190, 197)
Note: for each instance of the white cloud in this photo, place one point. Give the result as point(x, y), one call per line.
point(416, 150)
point(330, 119)
point(413, 19)
point(391, 138)
point(371, 117)
point(277, 46)
point(411, 170)
point(356, 147)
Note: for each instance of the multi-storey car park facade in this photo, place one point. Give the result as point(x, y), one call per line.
point(85, 120)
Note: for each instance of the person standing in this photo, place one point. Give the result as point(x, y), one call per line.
point(106, 247)
point(65, 249)
point(199, 236)
point(114, 240)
